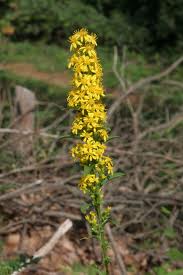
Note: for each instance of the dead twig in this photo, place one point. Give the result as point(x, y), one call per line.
point(143, 82)
point(28, 132)
point(20, 191)
point(165, 126)
point(37, 184)
point(116, 253)
point(173, 83)
point(47, 248)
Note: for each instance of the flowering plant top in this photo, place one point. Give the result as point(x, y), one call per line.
point(90, 127)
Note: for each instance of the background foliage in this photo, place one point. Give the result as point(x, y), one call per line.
point(155, 24)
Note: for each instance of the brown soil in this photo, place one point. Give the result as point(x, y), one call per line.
point(29, 71)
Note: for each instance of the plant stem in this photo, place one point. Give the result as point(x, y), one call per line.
point(101, 234)
point(104, 252)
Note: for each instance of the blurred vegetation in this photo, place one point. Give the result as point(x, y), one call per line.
point(141, 25)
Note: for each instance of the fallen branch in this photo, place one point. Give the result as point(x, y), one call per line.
point(143, 82)
point(37, 184)
point(28, 132)
point(20, 191)
point(28, 168)
point(47, 248)
point(116, 253)
point(165, 126)
point(173, 83)
point(138, 196)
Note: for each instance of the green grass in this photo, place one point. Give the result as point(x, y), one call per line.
point(45, 58)
point(54, 59)
point(7, 267)
point(50, 58)
point(78, 269)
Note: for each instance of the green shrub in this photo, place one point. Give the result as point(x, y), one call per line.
point(141, 25)
point(54, 20)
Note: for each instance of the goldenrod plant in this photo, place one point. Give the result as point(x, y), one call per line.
point(90, 127)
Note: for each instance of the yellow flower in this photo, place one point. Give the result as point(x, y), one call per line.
point(95, 92)
point(97, 70)
point(92, 39)
point(86, 135)
point(108, 209)
point(85, 97)
point(77, 38)
point(91, 123)
point(73, 60)
point(107, 212)
point(103, 134)
point(87, 152)
point(88, 60)
point(84, 81)
point(74, 42)
point(81, 34)
point(105, 165)
point(95, 116)
point(76, 128)
point(73, 98)
point(82, 37)
point(89, 50)
point(88, 183)
point(91, 218)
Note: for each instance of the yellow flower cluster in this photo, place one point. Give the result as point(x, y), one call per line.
point(85, 97)
point(105, 165)
point(88, 182)
point(89, 151)
point(91, 218)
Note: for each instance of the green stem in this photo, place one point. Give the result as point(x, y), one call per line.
point(101, 234)
point(104, 253)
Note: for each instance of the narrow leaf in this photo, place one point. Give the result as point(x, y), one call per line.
point(116, 175)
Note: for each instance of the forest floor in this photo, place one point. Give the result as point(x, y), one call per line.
point(147, 245)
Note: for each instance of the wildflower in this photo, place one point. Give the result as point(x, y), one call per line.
point(86, 135)
point(103, 134)
point(91, 218)
point(89, 50)
point(74, 42)
point(90, 126)
point(105, 165)
point(88, 183)
point(89, 151)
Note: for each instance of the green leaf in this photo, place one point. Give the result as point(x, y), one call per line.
point(162, 270)
point(170, 233)
point(84, 208)
point(66, 136)
point(176, 272)
point(89, 270)
point(104, 181)
point(113, 137)
point(6, 187)
point(87, 169)
point(165, 211)
point(116, 175)
point(175, 255)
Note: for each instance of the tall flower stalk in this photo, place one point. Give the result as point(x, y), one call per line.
point(90, 127)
